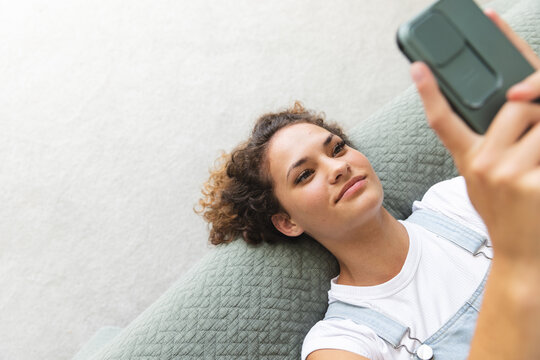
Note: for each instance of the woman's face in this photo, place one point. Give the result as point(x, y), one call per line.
point(327, 188)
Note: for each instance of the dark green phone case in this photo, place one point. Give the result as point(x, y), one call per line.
point(473, 61)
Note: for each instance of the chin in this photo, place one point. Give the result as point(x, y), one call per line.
point(372, 202)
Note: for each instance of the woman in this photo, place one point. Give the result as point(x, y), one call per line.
point(298, 176)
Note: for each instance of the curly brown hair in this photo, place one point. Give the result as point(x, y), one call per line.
point(238, 198)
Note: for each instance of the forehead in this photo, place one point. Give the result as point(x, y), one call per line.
point(295, 137)
point(293, 142)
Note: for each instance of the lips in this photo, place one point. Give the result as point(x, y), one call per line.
point(348, 185)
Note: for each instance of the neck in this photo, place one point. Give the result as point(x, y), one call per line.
point(373, 254)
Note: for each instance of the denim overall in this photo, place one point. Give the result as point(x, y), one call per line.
point(450, 342)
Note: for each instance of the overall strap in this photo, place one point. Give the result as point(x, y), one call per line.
point(449, 229)
point(389, 330)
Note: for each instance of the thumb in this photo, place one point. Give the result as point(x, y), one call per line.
point(451, 130)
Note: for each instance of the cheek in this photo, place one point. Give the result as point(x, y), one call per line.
point(311, 201)
point(358, 159)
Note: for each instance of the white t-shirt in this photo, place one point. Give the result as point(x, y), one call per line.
point(437, 278)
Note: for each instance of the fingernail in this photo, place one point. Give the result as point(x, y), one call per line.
point(417, 72)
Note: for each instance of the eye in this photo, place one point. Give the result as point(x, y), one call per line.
point(303, 176)
point(338, 148)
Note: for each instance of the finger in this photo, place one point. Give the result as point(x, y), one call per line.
point(514, 38)
point(526, 90)
point(453, 132)
point(510, 123)
point(527, 152)
point(523, 156)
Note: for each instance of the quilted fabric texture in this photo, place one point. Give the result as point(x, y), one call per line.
point(247, 302)
point(241, 302)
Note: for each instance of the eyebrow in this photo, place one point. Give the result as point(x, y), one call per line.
point(304, 159)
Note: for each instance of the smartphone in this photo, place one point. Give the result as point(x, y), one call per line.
point(473, 61)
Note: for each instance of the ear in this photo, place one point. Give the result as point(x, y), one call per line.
point(285, 225)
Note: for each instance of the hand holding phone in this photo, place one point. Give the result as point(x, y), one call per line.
point(473, 61)
point(502, 167)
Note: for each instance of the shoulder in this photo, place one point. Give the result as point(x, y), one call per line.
point(345, 335)
point(450, 198)
point(452, 188)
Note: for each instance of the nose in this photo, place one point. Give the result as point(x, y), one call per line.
point(337, 168)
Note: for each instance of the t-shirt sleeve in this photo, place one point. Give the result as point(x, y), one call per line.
point(344, 335)
point(450, 198)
